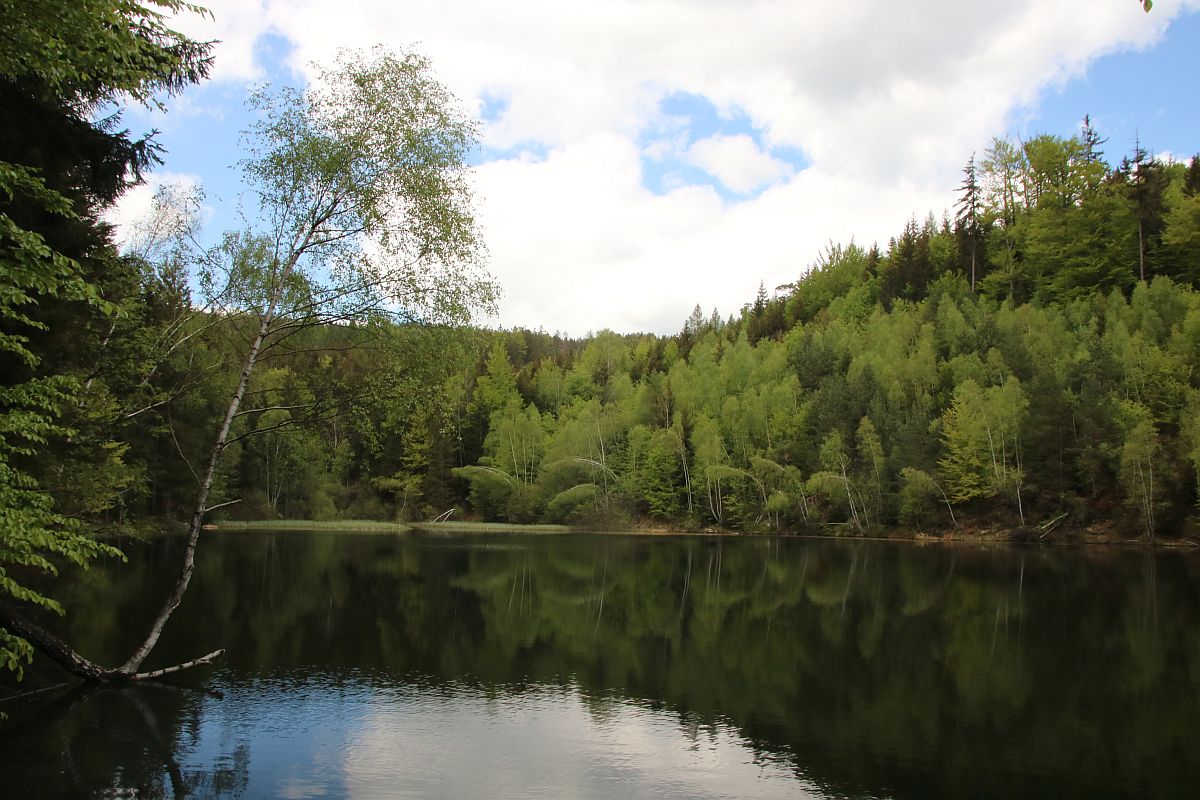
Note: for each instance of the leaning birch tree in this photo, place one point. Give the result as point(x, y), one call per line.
point(365, 212)
point(362, 212)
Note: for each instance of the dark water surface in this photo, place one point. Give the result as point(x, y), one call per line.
point(498, 666)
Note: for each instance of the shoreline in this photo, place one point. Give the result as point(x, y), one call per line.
point(1065, 537)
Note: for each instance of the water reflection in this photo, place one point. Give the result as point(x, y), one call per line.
point(601, 666)
point(115, 742)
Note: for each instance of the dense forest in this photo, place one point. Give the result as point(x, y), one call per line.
point(1027, 363)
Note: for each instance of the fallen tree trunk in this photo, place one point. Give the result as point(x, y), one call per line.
point(51, 646)
point(65, 656)
point(195, 662)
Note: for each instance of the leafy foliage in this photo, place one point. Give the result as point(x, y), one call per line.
point(59, 63)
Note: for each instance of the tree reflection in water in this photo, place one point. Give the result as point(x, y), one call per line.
point(116, 742)
point(870, 668)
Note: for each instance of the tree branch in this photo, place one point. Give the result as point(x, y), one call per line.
point(61, 653)
point(195, 662)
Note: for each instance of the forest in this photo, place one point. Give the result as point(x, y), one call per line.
point(1026, 362)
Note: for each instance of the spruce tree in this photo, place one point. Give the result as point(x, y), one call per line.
point(969, 217)
point(1191, 179)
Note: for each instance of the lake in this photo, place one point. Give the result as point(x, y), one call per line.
point(596, 666)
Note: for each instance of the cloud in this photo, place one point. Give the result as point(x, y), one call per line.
point(579, 243)
point(134, 207)
point(885, 101)
point(236, 27)
point(737, 162)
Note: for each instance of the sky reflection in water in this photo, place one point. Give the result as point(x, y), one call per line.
point(330, 738)
point(613, 666)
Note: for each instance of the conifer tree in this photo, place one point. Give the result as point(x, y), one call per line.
point(61, 61)
point(969, 217)
point(1146, 183)
point(1191, 179)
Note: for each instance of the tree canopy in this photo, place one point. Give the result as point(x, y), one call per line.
point(60, 165)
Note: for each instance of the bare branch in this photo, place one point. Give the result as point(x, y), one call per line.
point(144, 409)
point(195, 662)
point(207, 509)
point(178, 449)
point(264, 409)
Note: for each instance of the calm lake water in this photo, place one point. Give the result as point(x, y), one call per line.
point(506, 666)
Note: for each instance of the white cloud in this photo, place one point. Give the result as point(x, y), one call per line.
point(886, 100)
point(235, 25)
point(134, 207)
point(737, 162)
point(579, 244)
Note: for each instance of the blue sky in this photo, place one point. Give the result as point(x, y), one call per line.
point(1148, 94)
point(692, 118)
point(689, 150)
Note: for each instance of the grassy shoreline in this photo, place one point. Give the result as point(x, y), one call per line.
point(1068, 537)
point(374, 526)
point(341, 525)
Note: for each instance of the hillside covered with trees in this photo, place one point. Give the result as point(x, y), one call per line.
point(1030, 362)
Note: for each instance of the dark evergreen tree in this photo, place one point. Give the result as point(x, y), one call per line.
point(1146, 180)
point(1094, 167)
point(61, 61)
point(969, 217)
point(1092, 141)
point(1191, 179)
point(909, 268)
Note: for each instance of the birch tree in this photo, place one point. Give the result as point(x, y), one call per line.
point(365, 212)
point(981, 431)
point(1137, 459)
